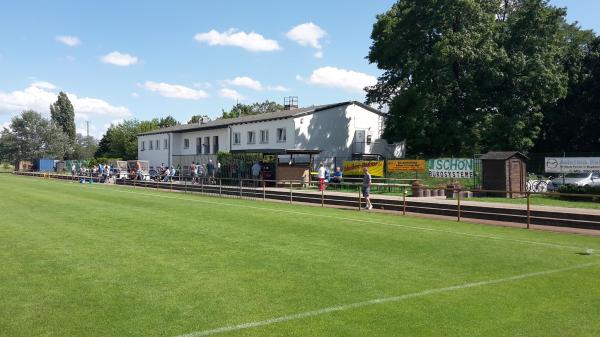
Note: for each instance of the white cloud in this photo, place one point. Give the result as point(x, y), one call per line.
point(203, 85)
point(318, 54)
point(231, 94)
point(174, 90)
point(71, 41)
point(248, 82)
point(135, 95)
point(118, 59)
point(341, 78)
point(277, 88)
point(245, 81)
point(250, 41)
point(307, 34)
point(39, 95)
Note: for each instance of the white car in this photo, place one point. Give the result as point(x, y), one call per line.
point(576, 179)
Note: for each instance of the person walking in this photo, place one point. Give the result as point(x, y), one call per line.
point(194, 172)
point(366, 187)
point(210, 169)
point(321, 176)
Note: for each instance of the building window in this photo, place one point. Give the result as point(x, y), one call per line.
point(281, 136)
point(198, 145)
point(251, 137)
point(143, 145)
point(206, 145)
point(151, 146)
point(166, 144)
point(157, 144)
point(215, 144)
point(186, 143)
point(264, 136)
point(237, 138)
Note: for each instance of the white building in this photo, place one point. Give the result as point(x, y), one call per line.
point(336, 130)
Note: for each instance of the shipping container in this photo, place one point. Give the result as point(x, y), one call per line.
point(44, 165)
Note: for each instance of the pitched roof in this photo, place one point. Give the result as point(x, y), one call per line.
point(281, 114)
point(502, 155)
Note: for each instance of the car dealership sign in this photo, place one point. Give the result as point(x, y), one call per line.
point(572, 164)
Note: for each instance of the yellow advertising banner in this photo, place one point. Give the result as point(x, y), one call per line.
point(354, 167)
point(406, 165)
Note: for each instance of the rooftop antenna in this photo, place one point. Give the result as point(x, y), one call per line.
point(290, 102)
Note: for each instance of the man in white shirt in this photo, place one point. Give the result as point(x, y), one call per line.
point(256, 168)
point(321, 176)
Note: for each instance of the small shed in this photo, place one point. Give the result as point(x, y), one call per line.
point(504, 171)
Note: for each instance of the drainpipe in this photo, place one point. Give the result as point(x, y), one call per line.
point(169, 148)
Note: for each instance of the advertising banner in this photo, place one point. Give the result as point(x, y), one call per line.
point(355, 167)
point(572, 164)
point(451, 168)
point(406, 165)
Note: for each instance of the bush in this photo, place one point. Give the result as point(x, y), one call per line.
point(572, 189)
point(6, 166)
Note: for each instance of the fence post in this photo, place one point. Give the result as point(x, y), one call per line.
point(171, 186)
point(359, 198)
point(291, 193)
point(264, 192)
point(201, 185)
point(322, 197)
point(241, 180)
point(184, 185)
point(528, 210)
point(220, 187)
point(458, 204)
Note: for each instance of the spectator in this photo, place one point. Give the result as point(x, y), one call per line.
point(194, 172)
point(73, 169)
point(167, 173)
point(321, 176)
point(256, 168)
point(366, 187)
point(337, 176)
point(210, 169)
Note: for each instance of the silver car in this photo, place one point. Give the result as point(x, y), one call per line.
point(576, 179)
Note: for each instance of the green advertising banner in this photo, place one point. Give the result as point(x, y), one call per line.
point(450, 168)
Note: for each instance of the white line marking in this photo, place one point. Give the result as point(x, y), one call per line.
point(481, 236)
point(350, 306)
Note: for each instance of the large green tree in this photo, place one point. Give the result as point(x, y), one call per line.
point(120, 141)
point(241, 109)
point(31, 136)
point(466, 76)
point(573, 124)
point(63, 115)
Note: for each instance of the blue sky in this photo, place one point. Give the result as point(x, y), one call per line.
point(145, 59)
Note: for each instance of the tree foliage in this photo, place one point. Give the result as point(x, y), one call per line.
point(241, 109)
point(120, 141)
point(195, 119)
point(62, 114)
point(31, 136)
point(466, 76)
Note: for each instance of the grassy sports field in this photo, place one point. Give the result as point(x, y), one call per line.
point(93, 260)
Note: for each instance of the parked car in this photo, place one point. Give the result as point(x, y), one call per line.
point(576, 179)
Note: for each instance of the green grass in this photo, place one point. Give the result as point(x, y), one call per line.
point(92, 260)
point(542, 200)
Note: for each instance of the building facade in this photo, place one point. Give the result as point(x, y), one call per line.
point(336, 130)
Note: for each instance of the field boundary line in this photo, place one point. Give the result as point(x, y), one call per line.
point(121, 189)
point(350, 306)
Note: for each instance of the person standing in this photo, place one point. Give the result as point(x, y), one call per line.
point(366, 187)
point(194, 172)
point(210, 170)
point(256, 172)
point(321, 176)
